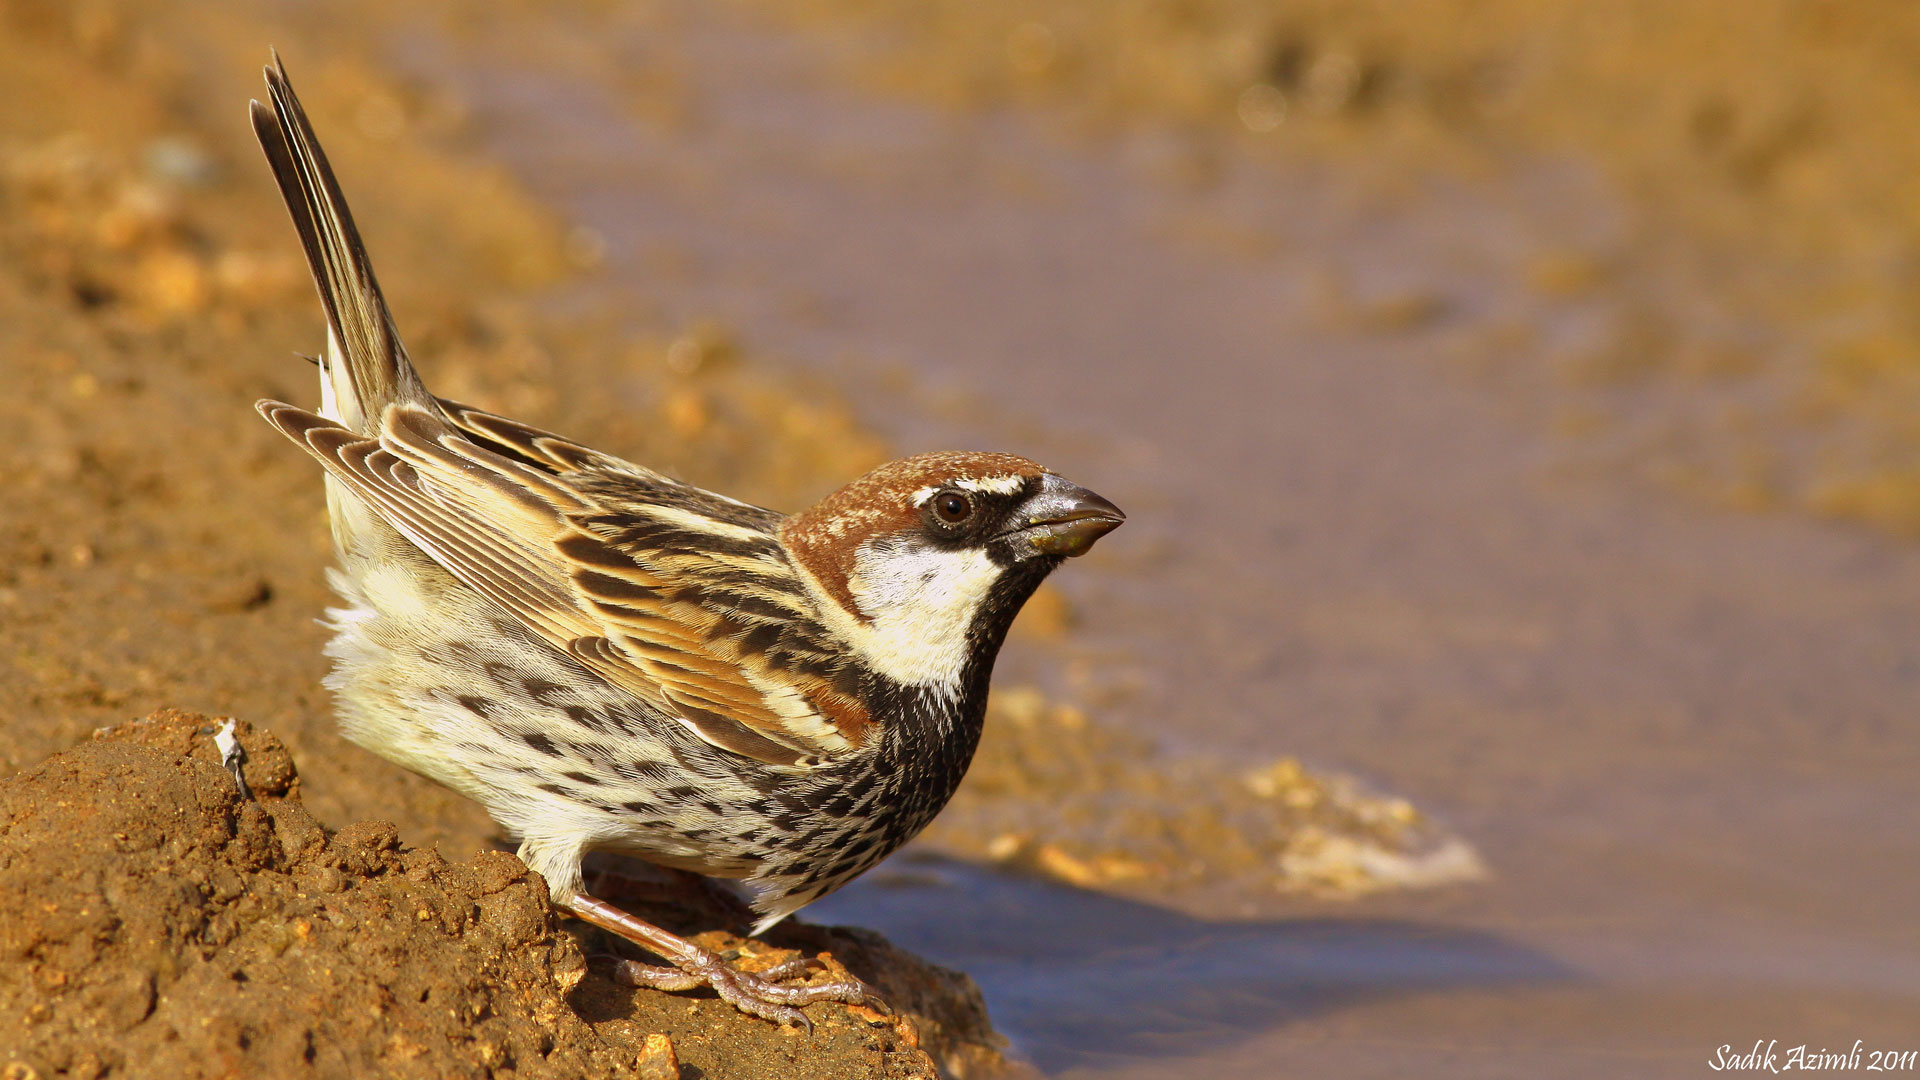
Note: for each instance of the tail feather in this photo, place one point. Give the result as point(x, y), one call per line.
point(367, 367)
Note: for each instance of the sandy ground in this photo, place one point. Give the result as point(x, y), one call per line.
point(162, 922)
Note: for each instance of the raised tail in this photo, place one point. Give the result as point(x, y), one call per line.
point(366, 367)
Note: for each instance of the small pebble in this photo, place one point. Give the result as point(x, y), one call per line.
point(657, 1061)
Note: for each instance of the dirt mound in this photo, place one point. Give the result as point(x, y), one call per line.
point(161, 923)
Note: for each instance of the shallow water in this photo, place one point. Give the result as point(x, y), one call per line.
point(1680, 737)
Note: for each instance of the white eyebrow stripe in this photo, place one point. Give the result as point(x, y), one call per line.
point(992, 485)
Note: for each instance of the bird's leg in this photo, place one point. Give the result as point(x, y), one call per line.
point(724, 901)
point(683, 888)
point(761, 995)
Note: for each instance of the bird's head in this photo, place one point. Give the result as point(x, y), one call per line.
point(922, 563)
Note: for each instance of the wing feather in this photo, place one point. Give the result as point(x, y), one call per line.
point(683, 633)
point(542, 449)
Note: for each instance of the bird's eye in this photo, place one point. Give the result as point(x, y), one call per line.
point(952, 507)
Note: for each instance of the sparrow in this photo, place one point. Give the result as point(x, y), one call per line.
point(609, 659)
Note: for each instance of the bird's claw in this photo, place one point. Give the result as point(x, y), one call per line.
point(759, 994)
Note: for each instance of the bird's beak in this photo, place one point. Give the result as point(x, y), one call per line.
point(1062, 518)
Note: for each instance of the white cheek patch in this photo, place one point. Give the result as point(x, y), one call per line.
point(919, 601)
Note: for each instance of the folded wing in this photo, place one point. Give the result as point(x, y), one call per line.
point(682, 598)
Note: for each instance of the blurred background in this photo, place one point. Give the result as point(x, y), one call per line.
point(1509, 667)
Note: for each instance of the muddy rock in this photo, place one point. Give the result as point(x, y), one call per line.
point(161, 923)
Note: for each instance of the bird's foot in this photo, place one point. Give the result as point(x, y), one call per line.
point(767, 994)
point(764, 994)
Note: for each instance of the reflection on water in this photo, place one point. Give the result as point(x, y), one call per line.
point(1078, 978)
